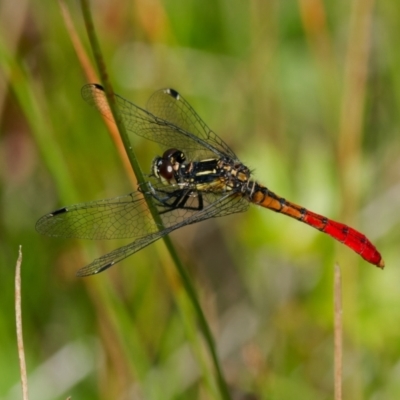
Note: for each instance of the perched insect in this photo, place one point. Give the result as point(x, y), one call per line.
point(198, 177)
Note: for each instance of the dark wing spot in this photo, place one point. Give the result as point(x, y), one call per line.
point(173, 93)
point(98, 86)
point(60, 211)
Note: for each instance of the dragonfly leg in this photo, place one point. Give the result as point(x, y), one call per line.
point(180, 202)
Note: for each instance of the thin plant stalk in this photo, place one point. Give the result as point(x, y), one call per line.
point(140, 177)
point(18, 318)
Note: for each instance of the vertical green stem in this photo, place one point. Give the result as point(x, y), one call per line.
point(139, 174)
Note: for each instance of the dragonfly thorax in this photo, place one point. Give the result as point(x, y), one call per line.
point(207, 175)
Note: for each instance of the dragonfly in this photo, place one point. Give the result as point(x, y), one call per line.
point(196, 178)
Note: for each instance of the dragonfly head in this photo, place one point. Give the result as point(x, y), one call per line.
point(166, 168)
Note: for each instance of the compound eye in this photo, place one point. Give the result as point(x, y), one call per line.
point(174, 155)
point(165, 170)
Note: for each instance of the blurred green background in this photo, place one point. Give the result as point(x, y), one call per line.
point(307, 93)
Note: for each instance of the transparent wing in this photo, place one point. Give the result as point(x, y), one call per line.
point(169, 105)
point(172, 122)
point(116, 218)
point(222, 206)
point(108, 260)
point(128, 217)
